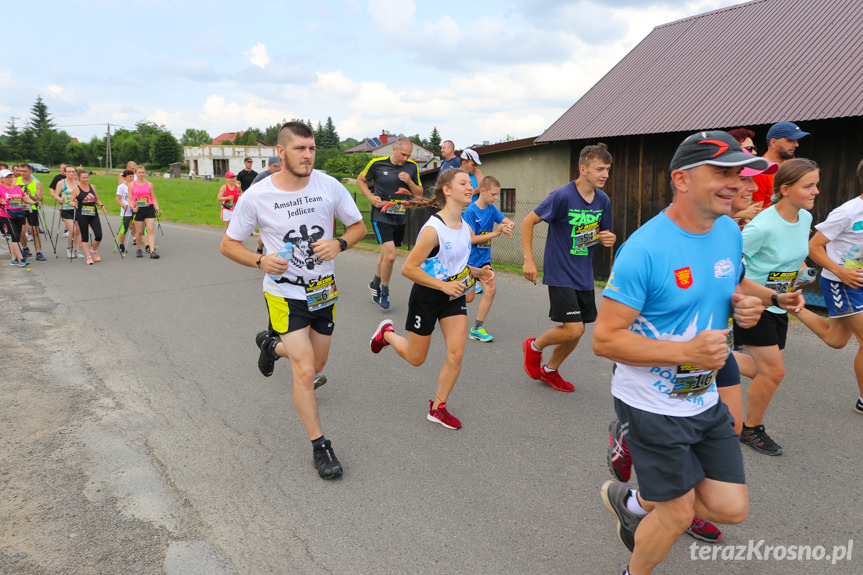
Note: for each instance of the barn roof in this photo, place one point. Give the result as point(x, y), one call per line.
point(759, 62)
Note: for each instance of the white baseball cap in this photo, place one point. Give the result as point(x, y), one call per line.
point(469, 154)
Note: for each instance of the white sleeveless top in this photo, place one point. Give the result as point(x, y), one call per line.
point(453, 250)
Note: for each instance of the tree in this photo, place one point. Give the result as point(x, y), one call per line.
point(329, 136)
point(319, 136)
point(434, 142)
point(193, 137)
point(247, 138)
point(165, 149)
point(13, 140)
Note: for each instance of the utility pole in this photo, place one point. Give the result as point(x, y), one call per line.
point(109, 162)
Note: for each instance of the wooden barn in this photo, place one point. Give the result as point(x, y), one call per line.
point(749, 65)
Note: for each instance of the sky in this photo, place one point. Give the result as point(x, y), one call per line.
point(478, 71)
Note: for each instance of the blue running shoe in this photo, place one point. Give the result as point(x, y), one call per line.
point(385, 297)
point(480, 335)
point(375, 293)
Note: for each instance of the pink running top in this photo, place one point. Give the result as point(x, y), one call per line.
point(13, 196)
point(141, 195)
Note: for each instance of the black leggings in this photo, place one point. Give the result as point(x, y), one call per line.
point(93, 222)
point(13, 227)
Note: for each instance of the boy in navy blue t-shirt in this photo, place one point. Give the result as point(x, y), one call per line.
point(579, 218)
point(481, 216)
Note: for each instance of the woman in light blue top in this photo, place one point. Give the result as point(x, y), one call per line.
point(775, 246)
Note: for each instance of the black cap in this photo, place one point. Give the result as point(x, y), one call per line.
point(716, 148)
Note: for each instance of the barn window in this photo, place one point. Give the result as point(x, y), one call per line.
point(507, 200)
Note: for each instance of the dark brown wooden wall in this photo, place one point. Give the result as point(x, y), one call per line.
point(639, 187)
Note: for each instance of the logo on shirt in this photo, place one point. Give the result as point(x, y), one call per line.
point(723, 269)
point(683, 277)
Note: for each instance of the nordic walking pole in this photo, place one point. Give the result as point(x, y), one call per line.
point(116, 247)
point(45, 230)
point(159, 221)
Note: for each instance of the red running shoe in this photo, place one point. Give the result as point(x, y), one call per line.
point(532, 359)
point(618, 458)
point(705, 531)
point(378, 342)
point(553, 379)
point(442, 416)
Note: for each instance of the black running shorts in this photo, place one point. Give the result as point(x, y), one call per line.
point(389, 233)
point(674, 454)
point(771, 329)
point(287, 315)
point(729, 374)
point(568, 305)
point(145, 213)
point(426, 306)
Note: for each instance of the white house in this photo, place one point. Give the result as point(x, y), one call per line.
point(217, 160)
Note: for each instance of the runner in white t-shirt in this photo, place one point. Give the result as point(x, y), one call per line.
point(128, 176)
point(837, 247)
point(297, 206)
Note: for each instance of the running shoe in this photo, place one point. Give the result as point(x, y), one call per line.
point(320, 379)
point(385, 297)
point(375, 294)
point(16, 263)
point(139, 254)
point(267, 359)
point(553, 379)
point(859, 407)
point(40, 257)
point(29, 236)
point(377, 343)
point(79, 255)
point(147, 248)
point(95, 256)
point(121, 248)
point(154, 255)
point(618, 458)
point(69, 253)
point(26, 251)
point(480, 335)
point(325, 461)
point(532, 359)
point(705, 531)
point(442, 416)
point(65, 233)
point(89, 261)
point(614, 496)
point(134, 242)
point(757, 439)
point(478, 288)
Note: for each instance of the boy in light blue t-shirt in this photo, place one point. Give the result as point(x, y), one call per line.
point(482, 216)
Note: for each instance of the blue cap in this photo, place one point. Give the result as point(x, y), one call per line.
point(788, 130)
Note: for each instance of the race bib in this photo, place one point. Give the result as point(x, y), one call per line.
point(853, 264)
point(88, 210)
point(585, 236)
point(15, 203)
point(142, 203)
point(396, 208)
point(780, 281)
point(486, 245)
point(321, 293)
point(463, 277)
point(690, 381)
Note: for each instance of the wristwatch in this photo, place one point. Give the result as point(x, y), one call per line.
point(775, 299)
point(258, 263)
point(342, 243)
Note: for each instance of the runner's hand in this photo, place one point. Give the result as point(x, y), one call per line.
point(453, 289)
point(793, 301)
point(606, 238)
point(747, 309)
point(274, 265)
point(326, 249)
point(529, 271)
point(708, 349)
point(851, 277)
point(377, 202)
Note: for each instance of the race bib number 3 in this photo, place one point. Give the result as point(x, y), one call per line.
point(463, 277)
point(321, 293)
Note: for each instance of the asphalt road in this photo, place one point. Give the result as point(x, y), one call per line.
point(174, 430)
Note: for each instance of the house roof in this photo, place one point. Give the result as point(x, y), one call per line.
point(232, 136)
point(758, 62)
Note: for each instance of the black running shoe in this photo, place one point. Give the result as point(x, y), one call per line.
point(122, 248)
point(25, 252)
point(757, 439)
point(139, 254)
point(614, 497)
point(325, 461)
point(147, 248)
point(859, 407)
point(320, 379)
point(267, 358)
point(154, 256)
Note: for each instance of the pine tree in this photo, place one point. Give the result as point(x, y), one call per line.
point(434, 142)
point(330, 138)
point(13, 141)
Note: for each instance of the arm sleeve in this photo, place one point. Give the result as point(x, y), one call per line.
point(498, 215)
point(243, 220)
point(606, 222)
point(547, 209)
point(346, 209)
point(629, 282)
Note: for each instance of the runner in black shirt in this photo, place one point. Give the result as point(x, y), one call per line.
point(247, 175)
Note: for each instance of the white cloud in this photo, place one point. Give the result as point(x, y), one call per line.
point(219, 115)
point(258, 56)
